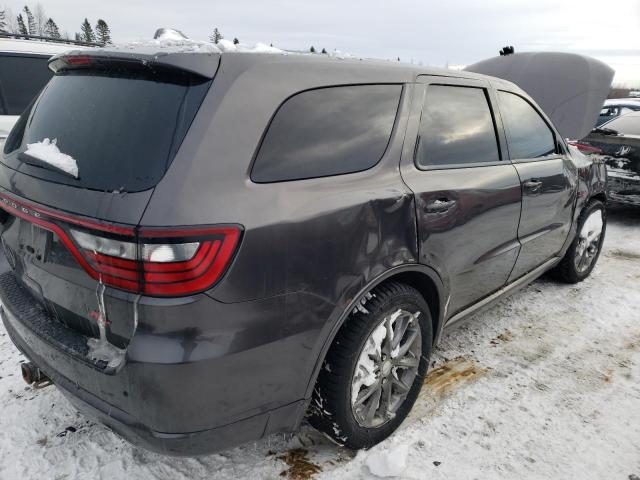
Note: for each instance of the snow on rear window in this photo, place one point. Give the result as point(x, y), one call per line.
point(47, 151)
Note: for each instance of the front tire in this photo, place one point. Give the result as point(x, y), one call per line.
point(582, 255)
point(374, 369)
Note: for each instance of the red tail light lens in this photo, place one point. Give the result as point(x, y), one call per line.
point(586, 148)
point(163, 263)
point(151, 261)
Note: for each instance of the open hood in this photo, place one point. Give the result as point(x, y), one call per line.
point(570, 88)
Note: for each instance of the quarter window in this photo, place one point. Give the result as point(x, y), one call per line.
point(328, 131)
point(528, 135)
point(456, 128)
point(21, 78)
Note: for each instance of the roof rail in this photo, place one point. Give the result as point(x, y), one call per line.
point(48, 39)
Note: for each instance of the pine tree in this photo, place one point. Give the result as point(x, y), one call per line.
point(312, 50)
point(103, 32)
point(31, 22)
point(236, 41)
point(87, 32)
point(3, 23)
point(216, 36)
point(51, 29)
point(22, 29)
point(324, 50)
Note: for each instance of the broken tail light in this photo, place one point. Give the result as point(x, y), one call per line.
point(151, 261)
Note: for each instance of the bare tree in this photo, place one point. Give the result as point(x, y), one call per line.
point(40, 18)
point(11, 23)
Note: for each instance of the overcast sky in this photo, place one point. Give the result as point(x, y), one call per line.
point(432, 32)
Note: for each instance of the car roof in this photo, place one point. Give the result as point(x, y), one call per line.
point(203, 59)
point(622, 102)
point(35, 47)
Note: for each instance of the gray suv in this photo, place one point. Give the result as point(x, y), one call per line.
point(207, 248)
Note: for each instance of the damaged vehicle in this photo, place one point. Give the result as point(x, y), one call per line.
point(208, 247)
point(617, 143)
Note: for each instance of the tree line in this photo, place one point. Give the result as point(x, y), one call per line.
point(36, 22)
point(216, 36)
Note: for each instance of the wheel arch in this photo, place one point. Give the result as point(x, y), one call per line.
point(423, 278)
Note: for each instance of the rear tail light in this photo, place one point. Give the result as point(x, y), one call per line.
point(586, 148)
point(164, 263)
point(157, 262)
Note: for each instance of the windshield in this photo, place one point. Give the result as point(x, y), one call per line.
point(121, 129)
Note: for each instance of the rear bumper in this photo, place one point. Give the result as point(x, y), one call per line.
point(133, 398)
point(623, 188)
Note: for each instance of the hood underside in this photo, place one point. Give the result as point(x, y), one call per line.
point(570, 88)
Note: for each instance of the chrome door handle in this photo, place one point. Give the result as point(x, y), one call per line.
point(439, 206)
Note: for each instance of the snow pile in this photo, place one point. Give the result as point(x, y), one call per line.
point(341, 55)
point(48, 152)
point(229, 46)
point(172, 42)
point(390, 462)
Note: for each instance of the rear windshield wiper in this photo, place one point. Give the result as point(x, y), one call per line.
point(36, 162)
point(605, 131)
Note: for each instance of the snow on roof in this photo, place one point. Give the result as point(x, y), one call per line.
point(14, 45)
point(172, 42)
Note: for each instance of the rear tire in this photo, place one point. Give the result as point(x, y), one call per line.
point(342, 403)
point(582, 255)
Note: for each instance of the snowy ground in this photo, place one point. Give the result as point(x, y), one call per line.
point(544, 385)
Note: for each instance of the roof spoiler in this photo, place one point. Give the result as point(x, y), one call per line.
point(193, 57)
point(570, 88)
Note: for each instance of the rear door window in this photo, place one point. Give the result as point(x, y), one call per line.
point(21, 79)
point(122, 128)
point(456, 128)
point(328, 131)
point(528, 135)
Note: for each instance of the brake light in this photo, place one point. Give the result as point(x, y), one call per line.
point(177, 262)
point(152, 261)
point(586, 148)
point(77, 59)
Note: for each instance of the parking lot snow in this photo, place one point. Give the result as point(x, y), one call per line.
point(544, 385)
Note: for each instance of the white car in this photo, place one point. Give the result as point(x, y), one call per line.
point(23, 73)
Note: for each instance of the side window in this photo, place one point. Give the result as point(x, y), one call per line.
point(626, 124)
point(328, 131)
point(528, 135)
point(21, 79)
point(456, 128)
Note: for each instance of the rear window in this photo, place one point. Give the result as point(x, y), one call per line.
point(21, 79)
point(328, 131)
point(122, 128)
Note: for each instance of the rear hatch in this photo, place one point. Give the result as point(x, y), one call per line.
point(77, 172)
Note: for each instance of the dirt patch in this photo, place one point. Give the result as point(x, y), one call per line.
point(634, 343)
point(502, 338)
point(452, 374)
point(300, 467)
point(623, 254)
